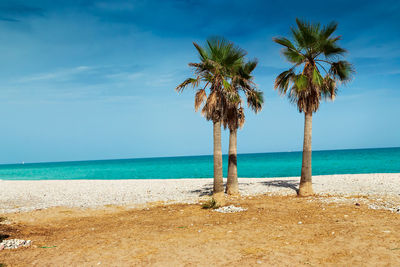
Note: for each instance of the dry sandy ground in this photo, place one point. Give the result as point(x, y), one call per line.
point(275, 230)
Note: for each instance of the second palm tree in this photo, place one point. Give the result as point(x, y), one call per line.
point(234, 118)
point(217, 59)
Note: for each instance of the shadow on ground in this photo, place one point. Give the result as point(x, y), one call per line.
point(206, 190)
point(2, 237)
point(292, 184)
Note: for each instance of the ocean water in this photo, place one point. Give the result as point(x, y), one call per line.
point(381, 160)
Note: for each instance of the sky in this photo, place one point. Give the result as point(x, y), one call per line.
point(86, 80)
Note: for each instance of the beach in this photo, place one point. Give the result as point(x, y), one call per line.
point(162, 222)
point(22, 196)
point(150, 223)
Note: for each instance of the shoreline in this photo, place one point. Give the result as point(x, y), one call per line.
point(194, 178)
point(27, 195)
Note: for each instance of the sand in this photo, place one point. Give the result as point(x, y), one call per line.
point(19, 196)
point(273, 231)
point(354, 220)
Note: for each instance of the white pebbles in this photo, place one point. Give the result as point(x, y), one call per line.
point(17, 196)
point(14, 243)
point(229, 209)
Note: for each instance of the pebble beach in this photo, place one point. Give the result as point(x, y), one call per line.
point(20, 196)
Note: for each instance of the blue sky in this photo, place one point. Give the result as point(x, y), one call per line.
point(95, 79)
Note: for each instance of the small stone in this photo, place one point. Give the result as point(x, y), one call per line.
point(229, 209)
point(14, 243)
point(259, 262)
point(333, 233)
point(358, 204)
point(299, 223)
point(1, 246)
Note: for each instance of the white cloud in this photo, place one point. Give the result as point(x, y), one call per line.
point(63, 75)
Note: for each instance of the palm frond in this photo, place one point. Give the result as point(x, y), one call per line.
point(293, 56)
point(316, 77)
point(250, 65)
point(200, 97)
point(330, 49)
point(285, 42)
point(241, 117)
point(283, 80)
point(255, 100)
point(312, 46)
point(342, 70)
point(308, 33)
point(202, 53)
point(329, 29)
point(189, 81)
point(329, 88)
point(301, 82)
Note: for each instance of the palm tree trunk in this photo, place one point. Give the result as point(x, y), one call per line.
point(305, 188)
point(232, 187)
point(218, 181)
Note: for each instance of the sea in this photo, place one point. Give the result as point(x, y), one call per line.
point(282, 164)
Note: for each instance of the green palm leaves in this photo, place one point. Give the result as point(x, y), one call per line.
point(224, 72)
point(316, 53)
point(223, 75)
point(316, 72)
point(242, 81)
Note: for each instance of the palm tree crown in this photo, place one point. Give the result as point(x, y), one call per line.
point(217, 59)
point(313, 50)
point(214, 71)
point(241, 80)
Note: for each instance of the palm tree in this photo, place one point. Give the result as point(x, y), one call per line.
point(234, 118)
point(314, 49)
point(217, 58)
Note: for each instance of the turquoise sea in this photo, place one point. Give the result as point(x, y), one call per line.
point(381, 160)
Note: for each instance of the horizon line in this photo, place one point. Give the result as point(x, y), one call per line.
point(183, 156)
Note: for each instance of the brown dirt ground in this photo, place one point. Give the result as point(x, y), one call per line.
point(268, 233)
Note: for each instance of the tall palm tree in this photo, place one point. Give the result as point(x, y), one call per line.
point(234, 118)
point(313, 52)
point(217, 59)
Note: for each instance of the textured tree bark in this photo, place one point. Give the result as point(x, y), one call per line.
point(232, 187)
point(218, 181)
point(305, 188)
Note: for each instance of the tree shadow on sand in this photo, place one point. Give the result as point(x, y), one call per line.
point(2, 237)
point(292, 184)
point(206, 190)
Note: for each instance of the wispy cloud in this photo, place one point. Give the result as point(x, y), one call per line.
point(61, 75)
